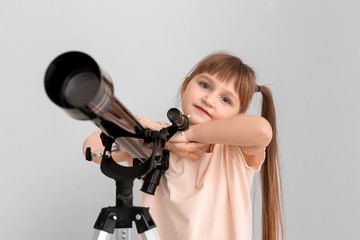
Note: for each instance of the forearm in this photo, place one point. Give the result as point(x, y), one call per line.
point(242, 130)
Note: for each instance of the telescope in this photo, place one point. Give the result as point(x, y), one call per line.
point(77, 84)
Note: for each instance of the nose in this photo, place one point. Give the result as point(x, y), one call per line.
point(209, 99)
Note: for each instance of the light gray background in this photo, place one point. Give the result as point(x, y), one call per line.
point(307, 52)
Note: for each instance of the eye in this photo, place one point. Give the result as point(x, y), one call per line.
point(205, 85)
point(225, 100)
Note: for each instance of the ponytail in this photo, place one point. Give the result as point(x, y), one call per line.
point(271, 186)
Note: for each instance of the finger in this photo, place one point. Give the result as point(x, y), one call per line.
point(148, 123)
point(158, 124)
point(176, 146)
point(154, 125)
point(163, 124)
point(195, 145)
point(193, 156)
point(140, 117)
point(178, 150)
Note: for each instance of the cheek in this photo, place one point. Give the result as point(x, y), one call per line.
point(185, 101)
point(187, 97)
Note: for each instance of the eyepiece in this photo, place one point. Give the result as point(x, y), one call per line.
point(179, 119)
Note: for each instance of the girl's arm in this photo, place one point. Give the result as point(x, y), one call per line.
point(182, 148)
point(252, 133)
point(94, 142)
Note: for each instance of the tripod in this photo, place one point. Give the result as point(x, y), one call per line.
point(119, 218)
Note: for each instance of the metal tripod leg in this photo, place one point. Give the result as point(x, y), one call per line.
point(124, 234)
point(119, 234)
point(101, 235)
point(150, 235)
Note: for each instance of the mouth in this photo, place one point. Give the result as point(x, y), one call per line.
point(202, 110)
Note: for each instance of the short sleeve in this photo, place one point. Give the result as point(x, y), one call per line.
point(255, 161)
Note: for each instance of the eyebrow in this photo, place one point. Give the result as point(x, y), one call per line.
point(228, 92)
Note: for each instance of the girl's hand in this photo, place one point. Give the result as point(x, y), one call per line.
point(178, 144)
point(185, 149)
point(152, 125)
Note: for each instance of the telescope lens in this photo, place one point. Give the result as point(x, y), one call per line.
point(81, 88)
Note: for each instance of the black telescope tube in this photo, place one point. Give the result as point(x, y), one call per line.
point(76, 83)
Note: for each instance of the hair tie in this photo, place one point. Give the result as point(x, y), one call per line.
point(257, 88)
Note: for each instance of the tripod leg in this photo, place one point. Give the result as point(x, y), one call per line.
point(101, 235)
point(123, 234)
point(150, 235)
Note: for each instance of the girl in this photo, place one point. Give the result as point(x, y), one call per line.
point(205, 194)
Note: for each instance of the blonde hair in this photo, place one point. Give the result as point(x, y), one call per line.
point(227, 67)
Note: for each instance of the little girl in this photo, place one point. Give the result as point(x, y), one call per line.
point(205, 193)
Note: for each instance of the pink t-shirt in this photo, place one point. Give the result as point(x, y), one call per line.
point(207, 198)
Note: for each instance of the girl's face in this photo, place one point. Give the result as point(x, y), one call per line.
point(205, 98)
